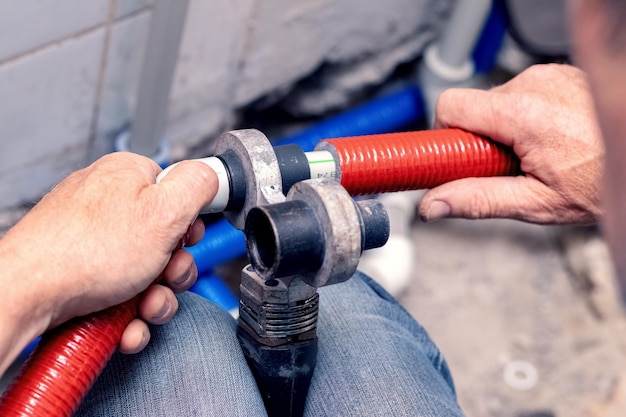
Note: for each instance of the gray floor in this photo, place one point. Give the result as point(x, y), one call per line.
point(504, 297)
point(526, 315)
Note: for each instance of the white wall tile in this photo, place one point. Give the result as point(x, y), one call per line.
point(124, 58)
point(30, 182)
point(126, 7)
point(28, 24)
point(46, 104)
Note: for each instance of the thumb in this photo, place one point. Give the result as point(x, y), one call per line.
point(522, 198)
point(187, 188)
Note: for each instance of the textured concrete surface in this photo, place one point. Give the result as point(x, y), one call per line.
point(497, 292)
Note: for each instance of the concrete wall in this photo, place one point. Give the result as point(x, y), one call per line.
point(69, 69)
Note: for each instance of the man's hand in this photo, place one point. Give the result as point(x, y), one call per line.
point(546, 115)
point(103, 235)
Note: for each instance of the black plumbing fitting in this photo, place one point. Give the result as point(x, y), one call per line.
point(287, 239)
point(312, 239)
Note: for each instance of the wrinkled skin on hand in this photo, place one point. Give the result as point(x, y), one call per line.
point(100, 237)
point(547, 116)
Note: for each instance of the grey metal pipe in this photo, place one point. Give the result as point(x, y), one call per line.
point(448, 61)
point(462, 31)
point(157, 74)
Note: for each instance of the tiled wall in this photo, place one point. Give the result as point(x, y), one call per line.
point(69, 69)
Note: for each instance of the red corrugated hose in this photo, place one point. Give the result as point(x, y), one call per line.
point(66, 363)
point(418, 160)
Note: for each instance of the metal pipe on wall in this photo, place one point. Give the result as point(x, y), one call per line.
point(462, 31)
point(157, 74)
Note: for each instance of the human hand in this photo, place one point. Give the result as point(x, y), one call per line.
point(103, 235)
point(546, 115)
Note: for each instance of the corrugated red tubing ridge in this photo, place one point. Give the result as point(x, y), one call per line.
point(66, 363)
point(417, 160)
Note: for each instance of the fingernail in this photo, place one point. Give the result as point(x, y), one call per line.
point(145, 338)
point(163, 311)
point(183, 280)
point(437, 210)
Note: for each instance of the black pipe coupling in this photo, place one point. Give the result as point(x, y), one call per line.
point(312, 239)
point(317, 234)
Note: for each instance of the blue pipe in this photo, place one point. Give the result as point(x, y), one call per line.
point(490, 41)
point(382, 115)
point(222, 242)
point(213, 288)
point(29, 349)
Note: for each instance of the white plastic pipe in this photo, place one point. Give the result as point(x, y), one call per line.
point(222, 196)
point(462, 31)
point(321, 165)
point(448, 60)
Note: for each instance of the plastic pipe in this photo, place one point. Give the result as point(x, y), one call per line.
point(213, 288)
point(66, 363)
point(382, 115)
point(416, 160)
point(448, 61)
point(25, 353)
point(159, 64)
point(222, 242)
point(490, 42)
point(466, 23)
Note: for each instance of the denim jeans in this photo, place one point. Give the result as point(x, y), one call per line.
point(374, 360)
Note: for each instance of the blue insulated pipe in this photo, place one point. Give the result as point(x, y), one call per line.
point(213, 288)
point(222, 242)
point(382, 115)
point(490, 41)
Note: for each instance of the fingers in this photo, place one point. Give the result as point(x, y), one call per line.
point(181, 272)
point(487, 113)
point(135, 337)
point(195, 233)
point(158, 304)
point(522, 198)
